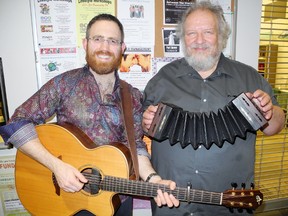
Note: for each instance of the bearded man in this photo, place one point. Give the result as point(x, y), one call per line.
point(88, 98)
point(205, 81)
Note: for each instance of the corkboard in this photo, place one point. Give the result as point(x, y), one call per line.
point(158, 52)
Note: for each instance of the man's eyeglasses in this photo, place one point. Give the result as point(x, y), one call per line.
point(101, 39)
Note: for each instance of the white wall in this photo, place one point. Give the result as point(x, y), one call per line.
point(17, 52)
point(248, 31)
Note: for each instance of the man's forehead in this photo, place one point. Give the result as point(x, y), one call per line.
point(106, 27)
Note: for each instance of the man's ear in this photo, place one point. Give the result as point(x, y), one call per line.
point(123, 47)
point(84, 43)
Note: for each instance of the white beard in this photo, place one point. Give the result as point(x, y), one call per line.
point(202, 64)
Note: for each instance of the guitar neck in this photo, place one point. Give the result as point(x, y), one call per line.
point(146, 189)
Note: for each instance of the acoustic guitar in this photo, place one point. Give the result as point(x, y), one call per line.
point(109, 171)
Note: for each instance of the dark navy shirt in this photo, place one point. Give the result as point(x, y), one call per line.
point(214, 169)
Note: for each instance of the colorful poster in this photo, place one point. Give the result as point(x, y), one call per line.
point(138, 19)
point(10, 203)
point(136, 66)
point(60, 29)
point(55, 23)
point(86, 10)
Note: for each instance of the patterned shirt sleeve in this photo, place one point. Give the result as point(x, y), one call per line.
point(18, 133)
point(39, 107)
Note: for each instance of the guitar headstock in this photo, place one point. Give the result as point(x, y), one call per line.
point(242, 198)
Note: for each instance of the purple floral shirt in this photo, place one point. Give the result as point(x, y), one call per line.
point(75, 98)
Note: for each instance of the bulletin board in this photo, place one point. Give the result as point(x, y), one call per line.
point(60, 25)
point(158, 27)
point(229, 8)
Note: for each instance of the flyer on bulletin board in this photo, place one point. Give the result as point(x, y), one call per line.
point(60, 27)
point(136, 66)
point(172, 46)
point(10, 203)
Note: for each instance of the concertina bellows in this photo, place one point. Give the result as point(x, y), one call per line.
point(237, 118)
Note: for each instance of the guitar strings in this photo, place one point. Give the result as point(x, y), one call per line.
point(115, 184)
point(125, 186)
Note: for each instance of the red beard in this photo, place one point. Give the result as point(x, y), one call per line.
point(103, 67)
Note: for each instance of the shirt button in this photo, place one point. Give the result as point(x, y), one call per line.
point(204, 81)
point(200, 147)
point(204, 100)
point(191, 214)
point(196, 171)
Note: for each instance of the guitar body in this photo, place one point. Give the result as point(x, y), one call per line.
point(38, 192)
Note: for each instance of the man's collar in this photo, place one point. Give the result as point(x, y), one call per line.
point(222, 66)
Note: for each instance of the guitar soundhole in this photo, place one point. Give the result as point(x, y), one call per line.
point(94, 179)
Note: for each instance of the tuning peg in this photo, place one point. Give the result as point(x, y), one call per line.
point(243, 185)
point(252, 185)
point(234, 185)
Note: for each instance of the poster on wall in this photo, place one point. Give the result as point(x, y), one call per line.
point(9, 201)
point(171, 43)
point(66, 20)
point(55, 24)
point(60, 26)
point(173, 9)
point(86, 10)
point(136, 66)
point(138, 19)
point(172, 13)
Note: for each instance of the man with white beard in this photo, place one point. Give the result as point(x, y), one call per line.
point(203, 82)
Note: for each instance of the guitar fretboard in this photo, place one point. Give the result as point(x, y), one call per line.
point(146, 189)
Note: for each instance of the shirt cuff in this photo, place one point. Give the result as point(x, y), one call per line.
point(23, 135)
point(143, 151)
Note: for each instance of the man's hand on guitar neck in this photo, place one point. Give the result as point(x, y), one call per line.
point(148, 174)
point(68, 177)
point(165, 198)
